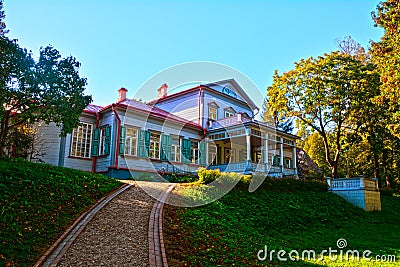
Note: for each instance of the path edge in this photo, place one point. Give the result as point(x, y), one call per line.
point(104, 200)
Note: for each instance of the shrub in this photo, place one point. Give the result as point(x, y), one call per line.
point(284, 184)
point(387, 191)
point(207, 176)
point(175, 178)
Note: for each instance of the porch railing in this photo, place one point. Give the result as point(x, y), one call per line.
point(242, 167)
point(229, 121)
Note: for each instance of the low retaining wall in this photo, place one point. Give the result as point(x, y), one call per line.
point(360, 192)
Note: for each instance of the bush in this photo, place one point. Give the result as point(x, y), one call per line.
point(175, 178)
point(207, 176)
point(387, 191)
point(284, 184)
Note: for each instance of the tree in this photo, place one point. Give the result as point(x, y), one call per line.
point(272, 118)
point(3, 30)
point(321, 93)
point(386, 55)
point(314, 147)
point(49, 90)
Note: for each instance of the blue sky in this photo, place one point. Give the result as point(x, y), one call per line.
point(123, 43)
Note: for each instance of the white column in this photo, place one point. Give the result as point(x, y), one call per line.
point(266, 149)
point(248, 144)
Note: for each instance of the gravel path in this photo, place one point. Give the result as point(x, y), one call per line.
point(118, 233)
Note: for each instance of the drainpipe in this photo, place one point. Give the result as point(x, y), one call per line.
point(94, 162)
point(118, 134)
point(200, 104)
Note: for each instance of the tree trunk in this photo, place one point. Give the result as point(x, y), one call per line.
point(389, 181)
point(376, 170)
point(335, 170)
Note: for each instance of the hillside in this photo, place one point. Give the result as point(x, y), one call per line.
point(38, 202)
point(232, 230)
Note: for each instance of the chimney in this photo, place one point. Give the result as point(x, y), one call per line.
point(162, 91)
point(122, 94)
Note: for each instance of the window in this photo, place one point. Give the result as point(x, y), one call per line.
point(176, 148)
point(102, 141)
point(81, 141)
point(154, 145)
point(212, 113)
point(131, 141)
point(212, 154)
point(229, 113)
point(195, 152)
point(229, 155)
point(287, 163)
point(243, 155)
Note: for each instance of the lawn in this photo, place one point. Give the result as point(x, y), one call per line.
point(232, 230)
point(38, 202)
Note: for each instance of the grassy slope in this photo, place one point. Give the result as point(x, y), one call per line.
point(233, 229)
point(38, 202)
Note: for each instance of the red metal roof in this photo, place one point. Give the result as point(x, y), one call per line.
point(144, 108)
point(92, 108)
point(156, 112)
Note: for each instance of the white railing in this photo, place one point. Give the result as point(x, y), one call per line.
point(242, 166)
point(358, 183)
point(229, 121)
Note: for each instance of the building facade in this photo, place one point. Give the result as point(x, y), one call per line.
point(210, 125)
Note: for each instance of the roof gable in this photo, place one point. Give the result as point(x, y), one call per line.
point(231, 88)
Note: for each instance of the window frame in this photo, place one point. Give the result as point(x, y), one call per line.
point(212, 110)
point(130, 138)
point(195, 152)
point(176, 149)
point(229, 112)
point(86, 145)
point(156, 145)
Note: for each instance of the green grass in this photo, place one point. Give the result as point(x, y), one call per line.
point(38, 202)
point(233, 229)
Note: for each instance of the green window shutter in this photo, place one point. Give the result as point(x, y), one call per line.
point(107, 140)
point(166, 147)
point(147, 143)
point(122, 138)
point(95, 142)
point(183, 151)
point(186, 150)
point(143, 143)
point(203, 153)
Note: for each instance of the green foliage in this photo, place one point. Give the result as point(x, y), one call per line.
point(207, 176)
point(176, 178)
point(232, 230)
point(3, 30)
point(323, 94)
point(386, 55)
point(285, 185)
point(37, 203)
point(49, 90)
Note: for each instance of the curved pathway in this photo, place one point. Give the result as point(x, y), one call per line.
point(125, 229)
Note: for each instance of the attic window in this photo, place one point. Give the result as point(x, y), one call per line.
point(213, 111)
point(229, 112)
point(229, 91)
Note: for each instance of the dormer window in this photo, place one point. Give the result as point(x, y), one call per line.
point(229, 112)
point(213, 111)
